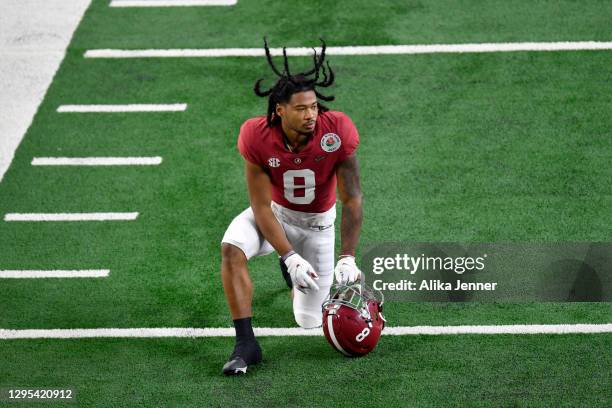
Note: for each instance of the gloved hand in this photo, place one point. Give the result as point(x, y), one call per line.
point(346, 270)
point(302, 274)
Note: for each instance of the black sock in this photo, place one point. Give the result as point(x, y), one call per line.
point(244, 330)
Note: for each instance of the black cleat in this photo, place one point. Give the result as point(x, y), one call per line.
point(285, 273)
point(244, 355)
point(235, 366)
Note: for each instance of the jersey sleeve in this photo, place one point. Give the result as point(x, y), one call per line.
point(350, 136)
point(245, 143)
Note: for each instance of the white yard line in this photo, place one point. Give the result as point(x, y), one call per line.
point(96, 161)
point(171, 3)
point(176, 107)
point(40, 274)
point(501, 329)
point(354, 50)
point(34, 35)
point(110, 216)
point(282, 332)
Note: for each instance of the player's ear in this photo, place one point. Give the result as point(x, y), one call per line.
point(280, 110)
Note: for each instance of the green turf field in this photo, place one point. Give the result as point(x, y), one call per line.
point(511, 147)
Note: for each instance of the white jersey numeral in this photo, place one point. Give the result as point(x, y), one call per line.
point(299, 186)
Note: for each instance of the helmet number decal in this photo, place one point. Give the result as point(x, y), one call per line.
point(299, 186)
point(361, 336)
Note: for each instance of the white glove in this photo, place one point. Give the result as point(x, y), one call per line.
point(346, 270)
point(302, 274)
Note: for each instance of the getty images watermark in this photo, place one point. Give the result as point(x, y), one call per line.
point(557, 272)
point(422, 263)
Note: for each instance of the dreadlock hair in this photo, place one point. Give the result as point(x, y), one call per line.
point(288, 84)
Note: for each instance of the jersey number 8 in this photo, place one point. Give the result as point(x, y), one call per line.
point(299, 186)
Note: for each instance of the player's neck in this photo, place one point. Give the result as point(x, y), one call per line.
point(295, 141)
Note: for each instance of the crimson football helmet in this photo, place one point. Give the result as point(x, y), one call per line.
point(352, 318)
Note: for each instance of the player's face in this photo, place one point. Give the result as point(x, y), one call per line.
point(300, 113)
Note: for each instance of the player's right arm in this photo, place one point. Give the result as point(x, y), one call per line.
point(260, 195)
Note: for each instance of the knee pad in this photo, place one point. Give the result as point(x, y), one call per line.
point(308, 320)
point(307, 307)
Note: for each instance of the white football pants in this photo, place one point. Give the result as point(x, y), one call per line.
point(312, 236)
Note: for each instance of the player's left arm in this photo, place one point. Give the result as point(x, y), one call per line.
point(349, 190)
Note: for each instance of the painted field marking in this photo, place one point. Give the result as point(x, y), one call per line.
point(109, 216)
point(171, 3)
point(34, 36)
point(96, 161)
point(176, 107)
point(294, 331)
point(354, 50)
point(39, 274)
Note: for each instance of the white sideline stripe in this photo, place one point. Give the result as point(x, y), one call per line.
point(34, 35)
point(176, 107)
point(282, 332)
point(114, 216)
point(33, 274)
point(354, 50)
point(171, 3)
point(96, 161)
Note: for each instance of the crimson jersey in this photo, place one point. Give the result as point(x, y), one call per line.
point(303, 181)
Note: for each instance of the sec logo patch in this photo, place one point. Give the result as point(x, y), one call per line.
point(330, 142)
